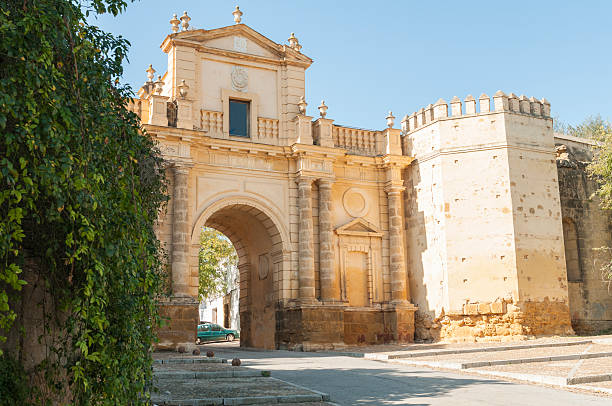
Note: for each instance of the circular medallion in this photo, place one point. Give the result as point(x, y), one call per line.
point(355, 203)
point(240, 78)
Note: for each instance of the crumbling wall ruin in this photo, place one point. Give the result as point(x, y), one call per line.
point(587, 236)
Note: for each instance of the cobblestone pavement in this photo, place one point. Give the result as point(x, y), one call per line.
point(357, 381)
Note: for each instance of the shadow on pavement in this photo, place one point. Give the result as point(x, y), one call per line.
point(355, 381)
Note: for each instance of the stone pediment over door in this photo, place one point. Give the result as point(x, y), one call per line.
point(359, 227)
point(360, 236)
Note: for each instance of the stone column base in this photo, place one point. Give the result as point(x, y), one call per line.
point(399, 322)
point(309, 327)
point(322, 326)
point(181, 327)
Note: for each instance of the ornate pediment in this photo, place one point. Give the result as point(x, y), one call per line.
point(359, 227)
point(238, 38)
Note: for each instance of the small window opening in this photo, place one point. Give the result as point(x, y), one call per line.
point(239, 118)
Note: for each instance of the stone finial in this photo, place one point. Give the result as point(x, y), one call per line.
point(183, 89)
point(485, 103)
point(302, 106)
point(175, 23)
point(390, 119)
point(470, 104)
point(455, 106)
point(545, 107)
point(405, 123)
point(294, 43)
point(322, 109)
point(150, 73)
point(500, 101)
point(536, 106)
point(159, 85)
point(185, 21)
point(237, 15)
point(440, 109)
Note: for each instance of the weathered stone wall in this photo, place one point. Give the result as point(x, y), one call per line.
point(587, 228)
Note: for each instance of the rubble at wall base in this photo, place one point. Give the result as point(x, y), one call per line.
point(517, 322)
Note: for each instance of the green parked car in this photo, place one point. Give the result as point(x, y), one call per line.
point(214, 332)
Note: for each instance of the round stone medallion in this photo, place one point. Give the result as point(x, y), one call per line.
point(355, 203)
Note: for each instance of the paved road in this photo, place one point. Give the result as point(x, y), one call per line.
point(354, 381)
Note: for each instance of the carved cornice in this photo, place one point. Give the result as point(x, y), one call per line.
point(396, 161)
point(316, 151)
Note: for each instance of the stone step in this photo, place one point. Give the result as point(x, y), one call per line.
point(211, 374)
point(199, 360)
point(429, 353)
point(478, 364)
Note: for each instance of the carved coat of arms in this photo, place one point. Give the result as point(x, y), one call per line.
point(240, 79)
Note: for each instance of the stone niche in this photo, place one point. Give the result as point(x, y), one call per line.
point(359, 248)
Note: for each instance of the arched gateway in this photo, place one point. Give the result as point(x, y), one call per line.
point(339, 230)
point(255, 232)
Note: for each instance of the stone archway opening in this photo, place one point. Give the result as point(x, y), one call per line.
point(258, 244)
point(218, 288)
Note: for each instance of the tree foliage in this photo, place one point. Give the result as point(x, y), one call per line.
point(601, 169)
point(80, 191)
point(599, 130)
point(217, 264)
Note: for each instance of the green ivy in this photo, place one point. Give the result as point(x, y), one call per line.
point(80, 191)
point(13, 382)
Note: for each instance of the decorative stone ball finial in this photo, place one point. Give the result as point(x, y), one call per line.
point(323, 109)
point(150, 73)
point(159, 85)
point(294, 43)
point(237, 15)
point(183, 88)
point(185, 21)
point(175, 23)
point(302, 106)
point(390, 119)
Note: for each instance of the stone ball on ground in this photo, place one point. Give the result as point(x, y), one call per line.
point(236, 362)
point(210, 354)
point(181, 349)
point(196, 352)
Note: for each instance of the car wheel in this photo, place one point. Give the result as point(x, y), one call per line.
point(229, 337)
point(198, 341)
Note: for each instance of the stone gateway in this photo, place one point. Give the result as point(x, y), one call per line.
point(452, 227)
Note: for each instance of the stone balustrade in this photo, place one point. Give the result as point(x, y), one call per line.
point(267, 128)
point(211, 122)
point(471, 106)
point(356, 140)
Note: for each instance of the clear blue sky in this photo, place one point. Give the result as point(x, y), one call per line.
point(372, 56)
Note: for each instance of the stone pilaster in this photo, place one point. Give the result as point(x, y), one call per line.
point(306, 272)
point(181, 240)
point(326, 253)
point(397, 262)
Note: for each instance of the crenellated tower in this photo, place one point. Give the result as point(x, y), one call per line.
point(483, 219)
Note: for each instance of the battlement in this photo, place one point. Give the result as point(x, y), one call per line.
point(471, 107)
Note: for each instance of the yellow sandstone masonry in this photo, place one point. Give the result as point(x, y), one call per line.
point(450, 228)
